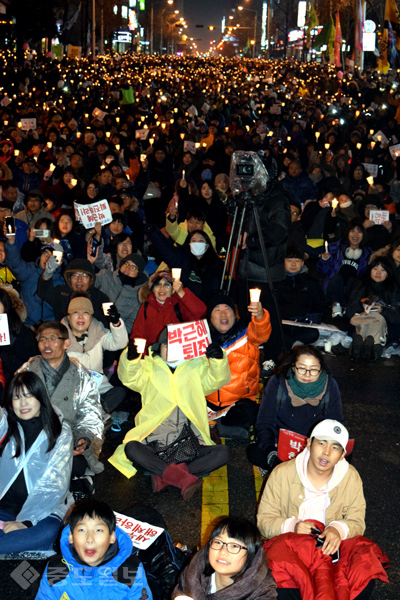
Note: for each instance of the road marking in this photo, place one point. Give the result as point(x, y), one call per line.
point(215, 501)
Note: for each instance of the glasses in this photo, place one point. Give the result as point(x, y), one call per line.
point(230, 546)
point(91, 188)
point(52, 339)
point(158, 285)
point(83, 276)
point(130, 267)
point(314, 371)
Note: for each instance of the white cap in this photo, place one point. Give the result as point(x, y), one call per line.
point(331, 431)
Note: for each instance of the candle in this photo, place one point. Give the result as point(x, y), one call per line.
point(379, 138)
point(52, 167)
point(16, 152)
point(142, 157)
point(370, 180)
point(176, 273)
point(140, 344)
point(326, 247)
point(49, 145)
point(117, 147)
point(371, 132)
point(358, 146)
point(106, 307)
point(183, 173)
point(58, 256)
point(255, 295)
point(372, 145)
point(151, 141)
point(334, 203)
point(182, 136)
point(326, 146)
point(74, 182)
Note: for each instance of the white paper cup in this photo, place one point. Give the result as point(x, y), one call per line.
point(106, 306)
point(255, 295)
point(140, 344)
point(176, 273)
point(58, 255)
point(335, 203)
point(328, 346)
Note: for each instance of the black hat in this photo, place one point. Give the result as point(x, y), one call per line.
point(219, 299)
point(34, 194)
point(82, 266)
point(137, 259)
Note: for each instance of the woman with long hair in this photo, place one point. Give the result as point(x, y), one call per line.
point(35, 467)
point(232, 565)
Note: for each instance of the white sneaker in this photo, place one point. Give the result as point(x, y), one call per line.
point(337, 310)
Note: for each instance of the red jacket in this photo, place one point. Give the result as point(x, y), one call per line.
point(153, 316)
point(296, 562)
point(243, 355)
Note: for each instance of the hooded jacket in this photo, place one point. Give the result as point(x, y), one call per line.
point(331, 266)
point(122, 577)
point(163, 390)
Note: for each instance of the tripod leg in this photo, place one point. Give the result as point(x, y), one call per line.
point(230, 245)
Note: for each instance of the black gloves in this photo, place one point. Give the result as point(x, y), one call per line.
point(214, 351)
point(132, 350)
point(113, 314)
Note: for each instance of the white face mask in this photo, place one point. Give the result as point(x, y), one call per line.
point(198, 248)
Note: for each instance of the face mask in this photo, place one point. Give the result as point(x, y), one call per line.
point(198, 248)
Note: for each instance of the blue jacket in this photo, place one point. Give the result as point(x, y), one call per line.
point(331, 267)
point(121, 578)
point(28, 275)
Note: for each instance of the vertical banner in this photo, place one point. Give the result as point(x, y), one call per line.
point(338, 41)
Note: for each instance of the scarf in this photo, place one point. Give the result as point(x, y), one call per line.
point(52, 376)
point(126, 280)
point(306, 393)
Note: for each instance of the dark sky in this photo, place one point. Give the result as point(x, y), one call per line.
point(205, 12)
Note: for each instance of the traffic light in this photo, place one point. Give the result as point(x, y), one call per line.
point(211, 27)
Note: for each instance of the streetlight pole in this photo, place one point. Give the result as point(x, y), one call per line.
point(94, 29)
point(255, 26)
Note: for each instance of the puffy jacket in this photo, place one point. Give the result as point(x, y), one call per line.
point(300, 295)
point(296, 562)
point(47, 474)
point(331, 267)
point(153, 316)
point(28, 275)
point(163, 390)
point(67, 577)
point(243, 355)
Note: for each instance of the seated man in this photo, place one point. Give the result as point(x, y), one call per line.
point(73, 391)
point(240, 339)
point(318, 489)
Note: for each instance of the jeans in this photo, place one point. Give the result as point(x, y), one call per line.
point(39, 537)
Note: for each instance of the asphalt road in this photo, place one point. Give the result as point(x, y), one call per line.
point(371, 402)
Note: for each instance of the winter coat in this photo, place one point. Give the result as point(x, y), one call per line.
point(390, 310)
point(179, 232)
point(77, 397)
point(274, 212)
point(47, 474)
point(244, 362)
point(331, 266)
point(24, 220)
point(125, 297)
point(163, 390)
point(66, 576)
point(253, 584)
point(153, 316)
point(284, 494)
point(296, 562)
point(300, 188)
point(90, 354)
point(28, 275)
point(277, 412)
point(21, 348)
point(300, 295)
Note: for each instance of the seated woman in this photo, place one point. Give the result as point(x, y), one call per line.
point(168, 302)
point(232, 565)
point(35, 467)
point(343, 262)
point(302, 393)
point(374, 309)
point(171, 437)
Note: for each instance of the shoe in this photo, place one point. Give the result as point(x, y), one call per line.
point(368, 350)
point(357, 348)
point(157, 483)
point(337, 310)
point(179, 476)
point(82, 487)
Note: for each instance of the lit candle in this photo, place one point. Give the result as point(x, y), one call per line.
point(326, 246)
point(372, 145)
point(379, 138)
point(151, 140)
point(16, 152)
point(49, 145)
point(140, 344)
point(142, 157)
point(327, 146)
point(52, 167)
point(176, 273)
point(182, 136)
point(370, 180)
point(317, 134)
point(117, 147)
point(335, 202)
point(183, 173)
point(74, 182)
point(255, 294)
point(358, 146)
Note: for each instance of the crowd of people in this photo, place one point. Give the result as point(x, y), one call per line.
point(153, 140)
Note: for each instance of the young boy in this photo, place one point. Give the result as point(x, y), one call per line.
point(96, 560)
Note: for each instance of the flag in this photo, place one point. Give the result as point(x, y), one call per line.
point(392, 17)
point(247, 46)
point(359, 28)
point(68, 24)
point(326, 37)
point(391, 46)
point(312, 22)
point(338, 41)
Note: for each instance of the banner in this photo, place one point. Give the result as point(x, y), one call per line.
point(27, 124)
point(90, 214)
point(142, 534)
point(188, 340)
point(338, 41)
point(4, 331)
point(392, 16)
point(290, 444)
point(312, 22)
point(379, 216)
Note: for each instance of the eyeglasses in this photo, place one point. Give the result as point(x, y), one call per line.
point(83, 276)
point(130, 267)
point(314, 371)
point(230, 546)
point(158, 285)
point(52, 339)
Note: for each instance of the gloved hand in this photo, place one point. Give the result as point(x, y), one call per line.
point(51, 267)
point(273, 460)
point(113, 314)
point(214, 351)
point(132, 351)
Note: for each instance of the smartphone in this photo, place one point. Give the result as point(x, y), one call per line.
point(42, 233)
point(10, 224)
point(95, 245)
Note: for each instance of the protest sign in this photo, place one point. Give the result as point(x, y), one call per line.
point(379, 216)
point(189, 147)
point(142, 534)
point(371, 169)
point(98, 114)
point(290, 444)
point(90, 214)
point(4, 331)
point(141, 134)
point(27, 124)
point(379, 136)
point(5, 101)
point(394, 151)
point(188, 340)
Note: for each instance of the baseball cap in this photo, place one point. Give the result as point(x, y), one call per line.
point(331, 431)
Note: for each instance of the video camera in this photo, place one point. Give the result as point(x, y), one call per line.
point(248, 173)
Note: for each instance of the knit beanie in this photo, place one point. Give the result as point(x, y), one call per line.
point(79, 265)
point(137, 259)
point(80, 303)
point(219, 299)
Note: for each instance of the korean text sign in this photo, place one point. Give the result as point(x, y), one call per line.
point(90, 214)
point(188, 340)
point(142, 534)
point(4, 331)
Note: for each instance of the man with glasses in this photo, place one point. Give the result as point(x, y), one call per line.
point(80, 277)
point(73, 391)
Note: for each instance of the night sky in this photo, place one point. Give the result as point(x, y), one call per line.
point(205, 12)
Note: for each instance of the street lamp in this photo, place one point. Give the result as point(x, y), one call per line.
point(170, 2)
point(255, 27)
